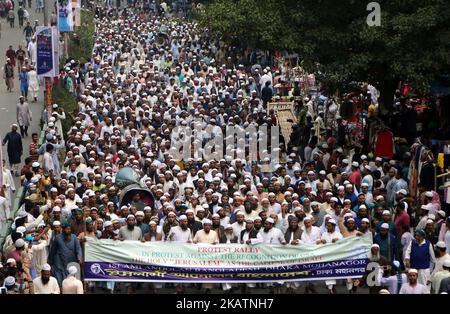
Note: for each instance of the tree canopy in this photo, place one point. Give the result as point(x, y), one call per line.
point(412, 43)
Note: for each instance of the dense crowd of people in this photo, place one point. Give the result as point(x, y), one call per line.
point(149, 74)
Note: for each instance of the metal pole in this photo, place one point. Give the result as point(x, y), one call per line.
point(45, 12)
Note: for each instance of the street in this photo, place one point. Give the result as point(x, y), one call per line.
point(9, 100)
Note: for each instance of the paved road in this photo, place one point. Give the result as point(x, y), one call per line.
point(146, 288)
point(8, 101)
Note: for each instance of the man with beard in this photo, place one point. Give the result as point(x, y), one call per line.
point(219, 229)
point(347, 224)
point(330, 236)
point(46, 284)
point(292, 236)
point(271, 235)
point(317, 213)
point(387, 243)
point(153, 234)
point(206, 235)
point(365, 226)
point(169, 222)
point(108, 232)
point(64, 250)
point(239, 224)
point(420, 255)
point(229, 235)
point(249, 211)
point(77, 225)
point(224, 219)
point(294, 232)
point(250, 234)
point(130, 232)
point(413, 286)
point(140, 222)
point(209, 236)
point(180, 233)
point(193, 224)
point(257, 223)
point(311, 234)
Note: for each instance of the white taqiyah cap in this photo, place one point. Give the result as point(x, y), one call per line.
point(46, 267)
point(19, 243)
point(10, 281)
point(72, 270)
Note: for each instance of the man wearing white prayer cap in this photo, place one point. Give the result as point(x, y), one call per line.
point(130, 231)
point(443, 274)
point(71, 285)
point(413, 286)
point(46, 284)
point(10, 284)
point(441, 256)
point(180, 233)
point(330, 236)
point(239, 224)
point(208, 236)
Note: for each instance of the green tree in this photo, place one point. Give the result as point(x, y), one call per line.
point(333, 38)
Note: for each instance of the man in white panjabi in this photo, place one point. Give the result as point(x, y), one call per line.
point(413, 286)
point(181, 233)
point(46, 284)
point(330, 236)
point(71, 285)
point(9, 186)
point(206, 235)
point(311, 234)
point(4, 211)
point(33, 84)
point(272, 235)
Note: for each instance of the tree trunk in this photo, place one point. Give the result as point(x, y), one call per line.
point(387, 92)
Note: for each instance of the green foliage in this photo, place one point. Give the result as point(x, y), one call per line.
point(412, 43)
point(85, 33)
point(81, 53)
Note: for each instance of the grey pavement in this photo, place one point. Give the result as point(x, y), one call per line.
point(14, 36)
point(146, 288)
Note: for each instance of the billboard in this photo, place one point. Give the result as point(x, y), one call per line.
point(65, 16)
point(46, 63)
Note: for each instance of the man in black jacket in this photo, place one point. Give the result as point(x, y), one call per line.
point(266, 93)
point(248, 233)
point(193, 224)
